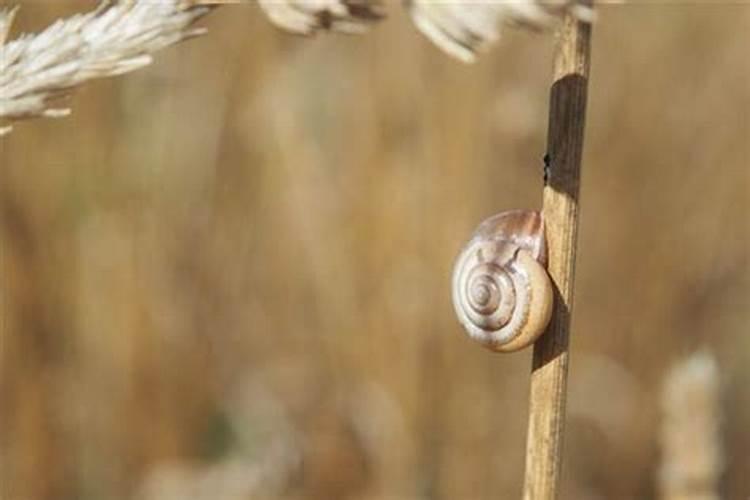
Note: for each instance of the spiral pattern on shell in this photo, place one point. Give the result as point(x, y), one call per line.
point(501, 292)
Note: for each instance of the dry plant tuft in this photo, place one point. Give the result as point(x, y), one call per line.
point(692, 452)
point(115, 38)
point(462, 29)
point(119, 36)
point(306, 17)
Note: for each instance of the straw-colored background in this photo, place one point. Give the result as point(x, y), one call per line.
point(228, 274)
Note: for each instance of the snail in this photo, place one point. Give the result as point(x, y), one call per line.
point(502, 293)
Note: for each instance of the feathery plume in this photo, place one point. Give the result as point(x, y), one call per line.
point(305, 17)
point(462, 29)
point(115, 38)
point(119, 36)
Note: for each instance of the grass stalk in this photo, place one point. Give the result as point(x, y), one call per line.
point(560, 209)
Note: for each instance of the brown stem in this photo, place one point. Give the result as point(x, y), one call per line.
point(560, 208)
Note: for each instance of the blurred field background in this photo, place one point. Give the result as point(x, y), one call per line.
point(226, 276)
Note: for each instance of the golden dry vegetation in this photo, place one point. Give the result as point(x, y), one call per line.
point(226, 276)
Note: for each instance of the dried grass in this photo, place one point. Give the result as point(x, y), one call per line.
point(692, 459)
point(115, 38)
point(121, 36)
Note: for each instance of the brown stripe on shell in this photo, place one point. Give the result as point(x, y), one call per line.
point(523, 228)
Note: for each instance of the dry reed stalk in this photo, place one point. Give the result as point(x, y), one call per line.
point(691, 447)
point(560, 209)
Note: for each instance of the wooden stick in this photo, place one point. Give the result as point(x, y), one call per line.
point(560, 208)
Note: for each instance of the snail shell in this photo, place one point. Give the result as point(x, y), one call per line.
point(502, 293)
